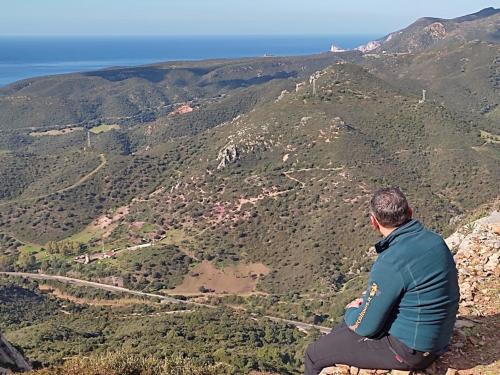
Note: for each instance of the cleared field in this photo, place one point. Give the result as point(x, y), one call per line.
point(104, 128)
point(55, 132)
point(241, 278)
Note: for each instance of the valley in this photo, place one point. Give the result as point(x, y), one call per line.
point(229, 198)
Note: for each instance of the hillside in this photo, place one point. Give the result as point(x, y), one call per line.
point(142, 94)
point(465, 77)
point(306, 165)
point(241, 184)
point(473, 349)
point(291, 175)
point(52, 326)
point(430, 32)
point(456, 61)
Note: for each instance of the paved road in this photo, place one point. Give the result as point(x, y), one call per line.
point(79, 282)
point(70, 280)
point(300, 325)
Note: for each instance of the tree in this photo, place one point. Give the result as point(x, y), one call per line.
point(27, 261)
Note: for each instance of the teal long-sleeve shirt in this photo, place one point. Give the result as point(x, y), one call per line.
point(412, 292)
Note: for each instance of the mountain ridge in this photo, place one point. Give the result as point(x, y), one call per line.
point(242, 183)
point(428, 32)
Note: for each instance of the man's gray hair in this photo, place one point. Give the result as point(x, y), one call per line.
point(390, 207)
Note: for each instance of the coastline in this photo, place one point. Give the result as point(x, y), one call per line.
point(29, 57)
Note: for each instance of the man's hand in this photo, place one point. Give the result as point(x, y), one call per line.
point(356, 303)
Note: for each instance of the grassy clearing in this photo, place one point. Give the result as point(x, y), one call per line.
point(175, 237)
point(104, 128)
point(179, 238)
point(494, 115)
point(490, 137)
point(147, 228)
point(86, 235)
point(40, 252)
point(30, 249)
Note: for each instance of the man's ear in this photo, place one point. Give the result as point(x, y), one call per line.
point(410, 212)
point(374, 222)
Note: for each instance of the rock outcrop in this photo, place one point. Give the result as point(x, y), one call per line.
point(10, 358)
point(436, 30)
point(474, 346)
point(370, 46)
point(228, 154)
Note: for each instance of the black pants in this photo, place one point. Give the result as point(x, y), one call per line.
point(343, 346)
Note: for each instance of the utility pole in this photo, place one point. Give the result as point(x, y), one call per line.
point(423, 97)
point(88, 139)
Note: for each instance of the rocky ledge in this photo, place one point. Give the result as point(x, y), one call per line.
point(10, 358)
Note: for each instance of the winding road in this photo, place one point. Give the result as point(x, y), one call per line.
point(67, 188)
point(79, 282)
point(84, 178)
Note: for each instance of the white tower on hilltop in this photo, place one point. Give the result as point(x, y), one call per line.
point(423, 96)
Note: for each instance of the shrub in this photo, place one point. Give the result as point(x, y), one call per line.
point(123, 363)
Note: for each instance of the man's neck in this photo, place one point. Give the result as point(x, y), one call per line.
point(386, 231)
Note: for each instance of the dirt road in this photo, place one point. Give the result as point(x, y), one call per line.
point(67, 188)
point(86, 177)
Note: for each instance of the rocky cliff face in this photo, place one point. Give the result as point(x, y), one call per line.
point(474, 347)
point(10, 358)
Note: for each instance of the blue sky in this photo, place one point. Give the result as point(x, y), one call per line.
point(221, 17)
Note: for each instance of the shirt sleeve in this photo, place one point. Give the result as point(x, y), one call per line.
point(384, 290)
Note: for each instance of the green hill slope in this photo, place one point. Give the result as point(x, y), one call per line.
point(139, 94)
point(263, 164)
point(297, 175)
point(285, 184)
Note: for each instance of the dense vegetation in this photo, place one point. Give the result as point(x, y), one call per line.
point(139, 94)
point(50, 330)
point(304, 170)
point(251, 161)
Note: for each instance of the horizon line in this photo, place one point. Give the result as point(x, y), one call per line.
point(185, 35)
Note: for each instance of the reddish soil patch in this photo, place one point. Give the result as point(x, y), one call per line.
point(138, 224)
point(182, 110)
point(109, 223)
point(238, 279)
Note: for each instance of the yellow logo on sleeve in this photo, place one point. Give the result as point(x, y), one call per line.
point(373, 293)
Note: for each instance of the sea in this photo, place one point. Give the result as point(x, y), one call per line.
point(25, 57)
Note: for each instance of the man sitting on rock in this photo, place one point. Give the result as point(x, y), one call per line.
point(405, 318)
